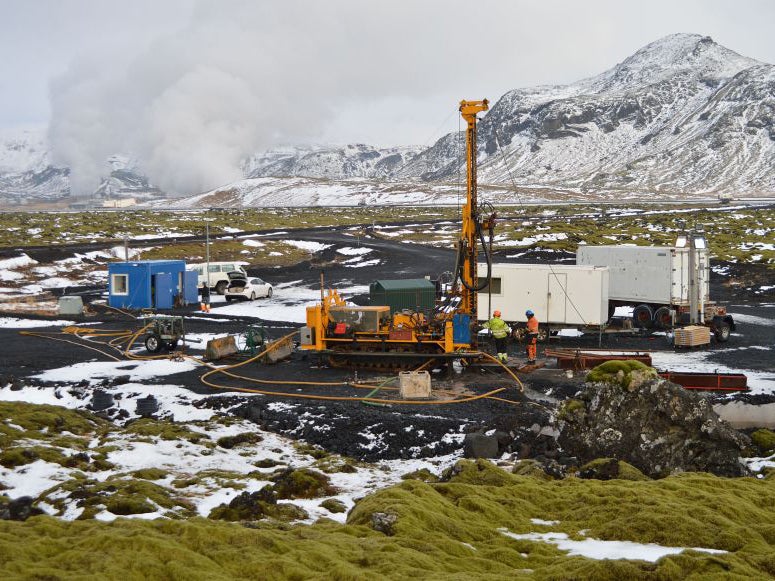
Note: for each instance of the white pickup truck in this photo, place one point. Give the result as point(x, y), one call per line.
point(217, 275)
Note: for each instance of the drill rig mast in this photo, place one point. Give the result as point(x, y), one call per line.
point(473, 226)
point(350, 335)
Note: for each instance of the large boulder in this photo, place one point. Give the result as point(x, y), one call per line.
point(658, 427)
point(489, 444)
point(19, 509)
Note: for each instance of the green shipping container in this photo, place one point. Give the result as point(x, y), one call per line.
point(416, 294)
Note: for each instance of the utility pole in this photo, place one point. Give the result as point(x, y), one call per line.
point(697, 243)
point(692, 279)
point(207, 254)
point(126, 248)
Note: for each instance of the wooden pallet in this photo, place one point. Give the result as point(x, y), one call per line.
point(691, 336)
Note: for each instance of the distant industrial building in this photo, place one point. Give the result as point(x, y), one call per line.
point(119, 203)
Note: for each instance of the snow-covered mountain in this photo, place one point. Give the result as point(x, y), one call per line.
point(27, 175)
point(349, 161)
point(126, 180)
point(25, 171)
point(681, 117)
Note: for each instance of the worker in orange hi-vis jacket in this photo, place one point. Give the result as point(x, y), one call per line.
point(532, 336)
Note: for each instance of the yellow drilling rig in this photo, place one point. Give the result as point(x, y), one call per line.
point(372, 336)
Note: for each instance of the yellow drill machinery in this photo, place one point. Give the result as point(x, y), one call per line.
point(371, 336)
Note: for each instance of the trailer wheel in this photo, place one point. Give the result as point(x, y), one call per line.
point(153, 343)
point(722, 331)
point(663, 318)
point(643, 317)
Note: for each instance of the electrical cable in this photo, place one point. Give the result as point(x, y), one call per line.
point(45, 336)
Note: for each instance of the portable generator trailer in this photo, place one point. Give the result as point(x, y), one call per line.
point(164, 332)
point(353, 335)
point(666, 286)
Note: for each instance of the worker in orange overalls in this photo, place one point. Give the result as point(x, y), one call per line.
point(532, 336)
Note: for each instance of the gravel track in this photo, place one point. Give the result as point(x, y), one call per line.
point(399, 431)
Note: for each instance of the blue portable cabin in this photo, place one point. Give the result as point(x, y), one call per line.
point(146, 284)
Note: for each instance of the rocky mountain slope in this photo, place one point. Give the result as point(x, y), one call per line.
point(350, 161)
point(25, 171)
point(682, 117)
point(27, 175)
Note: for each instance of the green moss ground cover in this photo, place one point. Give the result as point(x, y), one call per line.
point(620, 372)
point(446, 530)
point(34, 228)
point(764, 440)
point(743, 235)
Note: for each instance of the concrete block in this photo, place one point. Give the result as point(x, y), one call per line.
point(280, 352)
point(414, 384)
point(70, 305)
point(220, 347)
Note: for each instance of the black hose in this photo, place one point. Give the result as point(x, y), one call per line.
point(488, 258)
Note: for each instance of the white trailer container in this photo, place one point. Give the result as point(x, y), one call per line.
point(649, 274)
point(658, 283)
point(560, 295)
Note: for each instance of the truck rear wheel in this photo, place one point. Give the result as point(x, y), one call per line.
point(722, 331)
point(643, 317)
point(663, 318)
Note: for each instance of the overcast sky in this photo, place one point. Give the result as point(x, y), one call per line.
point(161, 74)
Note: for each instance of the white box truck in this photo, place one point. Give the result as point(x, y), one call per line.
point(656, 281)
point(561, 295)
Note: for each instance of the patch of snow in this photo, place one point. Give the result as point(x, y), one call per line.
point(373, 262)
point(32, 479)
point(753, 320)
point(16, 323)
point(569, 333)
point(758, 464)
point(17, 262)
point(350, 251)
point(307, 245)
point(96, 371)
point(598, 549)
point(288, 304)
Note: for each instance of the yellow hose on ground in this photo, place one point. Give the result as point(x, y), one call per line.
point(132, 337)
point(509, 371)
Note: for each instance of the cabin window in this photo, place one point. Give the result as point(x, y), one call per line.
point(495, 284)
point(119, 284)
